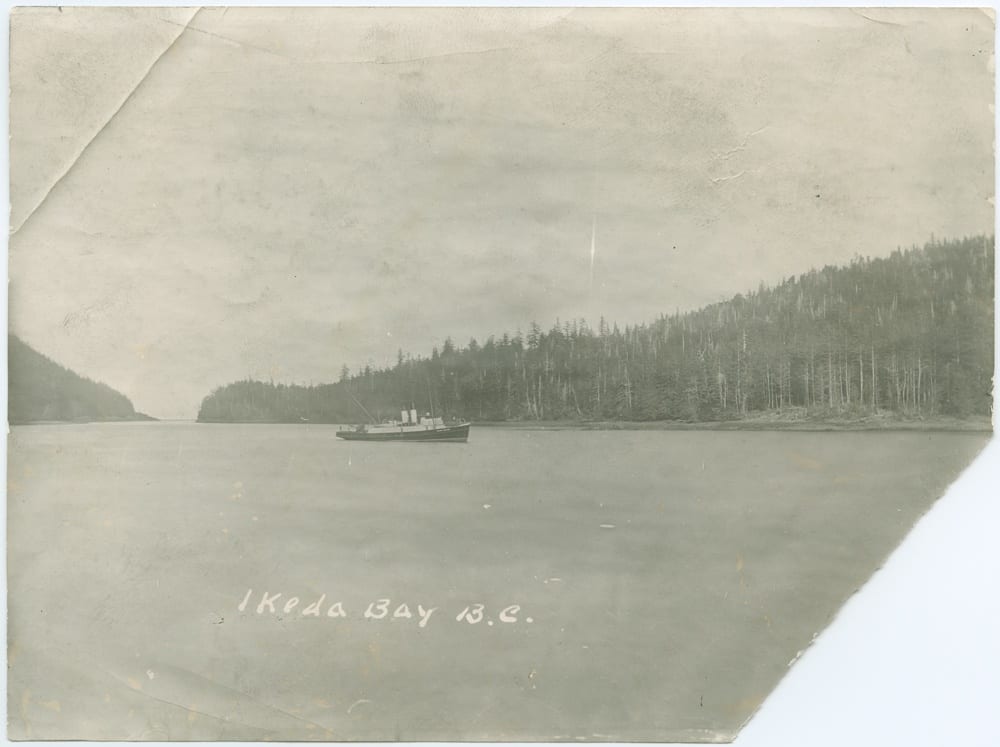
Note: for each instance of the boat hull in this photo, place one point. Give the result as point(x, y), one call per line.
point(456, 434)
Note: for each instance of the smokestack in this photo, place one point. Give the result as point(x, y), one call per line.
point(403, 416)
point(413, 416)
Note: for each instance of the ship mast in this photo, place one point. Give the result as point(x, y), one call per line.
point(361, 406)
point(430, 396)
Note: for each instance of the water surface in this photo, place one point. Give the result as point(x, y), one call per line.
point(669, 577)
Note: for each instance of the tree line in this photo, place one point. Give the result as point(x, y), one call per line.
point(911, 333)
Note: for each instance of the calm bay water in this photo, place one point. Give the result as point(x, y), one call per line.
point(653, 585)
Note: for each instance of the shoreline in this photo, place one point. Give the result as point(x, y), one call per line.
point(83, 421)
point(976, 424)
point(969, 425)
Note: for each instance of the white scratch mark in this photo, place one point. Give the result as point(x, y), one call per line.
point(720, 179)
point(357, 703)
point(732, 151)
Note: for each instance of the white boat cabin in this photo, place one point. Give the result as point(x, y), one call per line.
point(408, 421)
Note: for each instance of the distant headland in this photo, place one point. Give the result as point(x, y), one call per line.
point(42, 391)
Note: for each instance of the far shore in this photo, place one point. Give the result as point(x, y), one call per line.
point(139, 417)
point(884, 422)
point(976, 424)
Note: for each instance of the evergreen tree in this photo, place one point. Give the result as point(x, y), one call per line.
point(911, 334)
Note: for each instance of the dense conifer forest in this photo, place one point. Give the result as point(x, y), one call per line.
point(910, 334)
point(41, 390)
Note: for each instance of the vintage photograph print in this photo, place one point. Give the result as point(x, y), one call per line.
point(498, 374)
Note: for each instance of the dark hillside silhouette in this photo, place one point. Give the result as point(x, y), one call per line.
point(910, 334)
point(41, 390)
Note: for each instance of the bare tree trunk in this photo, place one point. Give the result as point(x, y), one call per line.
point(829, 366)
point(861, 378)
point(874, 381)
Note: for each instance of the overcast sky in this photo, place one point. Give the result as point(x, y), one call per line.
point(198, 197)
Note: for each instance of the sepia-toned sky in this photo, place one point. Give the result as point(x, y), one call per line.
point(198, 197)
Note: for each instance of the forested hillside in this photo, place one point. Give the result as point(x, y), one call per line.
point(911, 334)
point(42, 390)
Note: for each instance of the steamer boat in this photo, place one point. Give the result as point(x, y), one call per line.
point(409, 427)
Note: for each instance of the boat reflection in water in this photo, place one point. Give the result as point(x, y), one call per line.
point(410, 428)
